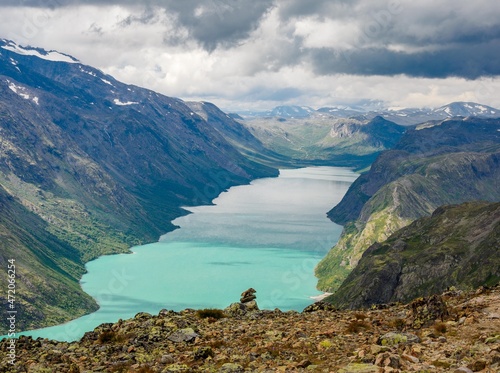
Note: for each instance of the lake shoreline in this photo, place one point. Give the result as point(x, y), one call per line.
point(300, 264)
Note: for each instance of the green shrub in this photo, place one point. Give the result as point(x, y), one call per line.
point(212, 313)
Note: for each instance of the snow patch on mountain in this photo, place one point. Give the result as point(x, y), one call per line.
point(119, 103)
point(22, 92)
point(40, 53)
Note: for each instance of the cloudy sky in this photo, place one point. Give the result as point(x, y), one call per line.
point(256, 54)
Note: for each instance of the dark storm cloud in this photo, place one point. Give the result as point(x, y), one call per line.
point(212, 23)
point(471, 63)
point(421, 39)
point(220, 23)
point(321, 8)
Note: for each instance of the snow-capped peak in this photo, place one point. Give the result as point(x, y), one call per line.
point(37, 52)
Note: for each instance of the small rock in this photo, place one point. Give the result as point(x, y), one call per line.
point(203, 353)
point(492, 339)
point(304, 364)
point(469, 320)
point(462, 370)
point(183, 335)
point(379, 361)
point(251, 306)
point(393, 339)
point(167, 359)
point(477, 365)
point(411, 359)
point(142, 315)
point(176, 368)
point(231, 368)
point(360, 368)
point(248, 295)
point(376, 349)
point(392, 361)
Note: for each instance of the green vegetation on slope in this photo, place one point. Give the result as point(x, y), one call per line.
point(45, 266)
point(457, 246)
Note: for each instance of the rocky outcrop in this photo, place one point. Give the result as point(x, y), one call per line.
point(377, 340)
point(458, 246)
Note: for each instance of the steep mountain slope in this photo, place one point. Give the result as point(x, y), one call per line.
point(435, 164)
point(104, 164)
point(44, 265)
point(237, 134)
point(324, 139)
point(457, 246)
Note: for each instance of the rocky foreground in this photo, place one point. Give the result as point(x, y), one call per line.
point(454, 332)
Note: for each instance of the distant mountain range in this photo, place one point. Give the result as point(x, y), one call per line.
point(353, 142)
point(91, 166)
point(409, 116)
point(434, 164)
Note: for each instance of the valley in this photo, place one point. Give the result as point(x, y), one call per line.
point(91, 166)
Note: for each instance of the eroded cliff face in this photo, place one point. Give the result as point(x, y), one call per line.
point(449, 163)
point(458, 245)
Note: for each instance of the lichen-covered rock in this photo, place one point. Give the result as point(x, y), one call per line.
point(183, 335)
point(360, 368)
point(231, 368)
point(176, 368)
point(393, 339)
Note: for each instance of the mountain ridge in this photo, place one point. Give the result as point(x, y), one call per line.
point(402, 116)
point(452, 162)
point(457, 246)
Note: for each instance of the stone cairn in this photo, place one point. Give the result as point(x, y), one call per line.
point(248, 295)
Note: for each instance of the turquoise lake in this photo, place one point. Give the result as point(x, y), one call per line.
point(268, 235)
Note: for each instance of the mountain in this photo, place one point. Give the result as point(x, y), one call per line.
point(456, 246)
point(455, 109)
point(104, 165)
point(236, 134)
point(369, 110)
point(291, 111)
point(324, 140)
point(283, 111)
point(341, 111)
point(448, 162)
